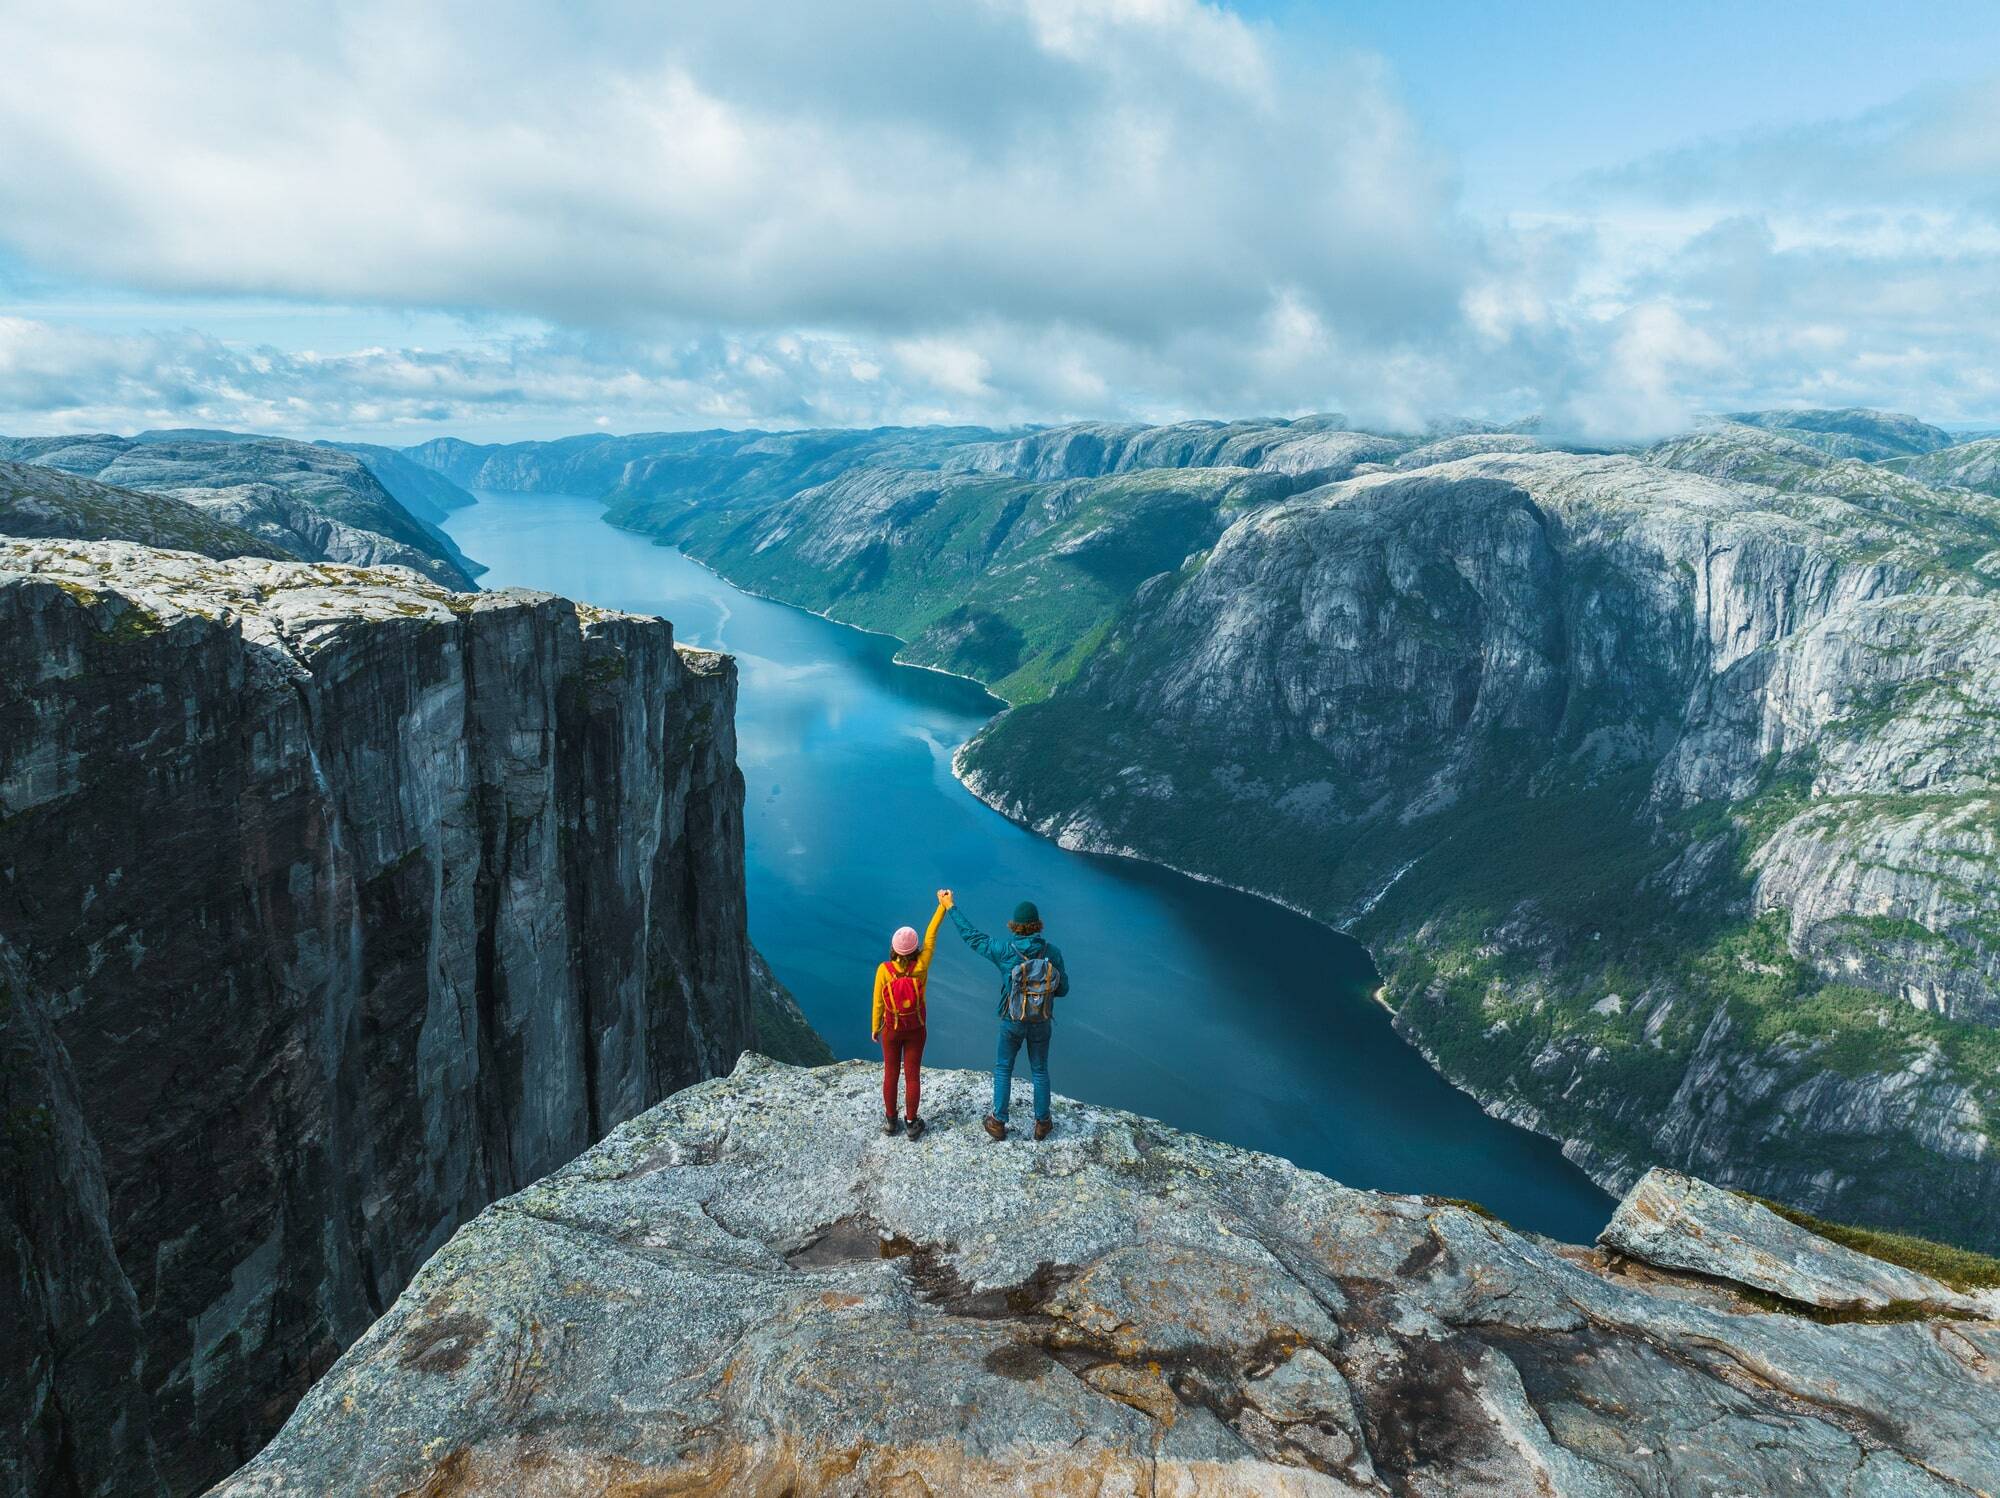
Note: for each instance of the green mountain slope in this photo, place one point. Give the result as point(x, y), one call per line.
point(1669, 807)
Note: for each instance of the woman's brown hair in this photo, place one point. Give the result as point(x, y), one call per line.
point(1024, 928)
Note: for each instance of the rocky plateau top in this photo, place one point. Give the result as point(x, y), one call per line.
point(748, 1290)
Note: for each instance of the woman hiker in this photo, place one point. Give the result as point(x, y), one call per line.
point(1032, 978)
point(899, 1017)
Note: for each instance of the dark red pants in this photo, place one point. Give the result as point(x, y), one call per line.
point(902, 1050)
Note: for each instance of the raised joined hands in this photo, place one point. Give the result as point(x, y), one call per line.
point(945, 899)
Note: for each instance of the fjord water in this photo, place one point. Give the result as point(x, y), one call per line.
point(1211, 1010)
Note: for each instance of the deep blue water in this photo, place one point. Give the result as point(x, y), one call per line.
point(1214, 1011)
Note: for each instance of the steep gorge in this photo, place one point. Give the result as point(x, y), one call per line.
point(336, 904)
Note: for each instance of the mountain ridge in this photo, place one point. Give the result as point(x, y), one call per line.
point(312, 501)
point(46, 503)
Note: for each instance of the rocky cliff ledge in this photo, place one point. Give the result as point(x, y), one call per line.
point(339, 904)
point(749, 1291)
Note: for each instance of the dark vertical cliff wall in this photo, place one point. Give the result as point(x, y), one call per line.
point(339, 905)
point(72, 1417)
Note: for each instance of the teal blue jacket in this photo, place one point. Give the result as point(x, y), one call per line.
point(1009, 952)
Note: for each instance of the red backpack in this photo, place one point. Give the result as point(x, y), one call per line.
point(903, 1000)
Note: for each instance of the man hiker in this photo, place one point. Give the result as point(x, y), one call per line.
point(1032, 978)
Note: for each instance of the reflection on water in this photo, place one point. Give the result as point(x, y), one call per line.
point(1211, 1010)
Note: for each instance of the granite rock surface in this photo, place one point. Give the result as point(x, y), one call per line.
point(748, 1290)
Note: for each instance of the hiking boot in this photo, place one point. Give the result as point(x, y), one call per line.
point(915, 1129)
point(994, 1127)
point(1043, 1126)
point(892, 1126)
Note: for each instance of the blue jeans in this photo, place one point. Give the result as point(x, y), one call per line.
point(1012, 1033)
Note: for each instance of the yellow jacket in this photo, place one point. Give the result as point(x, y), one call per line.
point(921, 967)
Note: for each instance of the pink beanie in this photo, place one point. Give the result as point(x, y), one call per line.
point(904, 942)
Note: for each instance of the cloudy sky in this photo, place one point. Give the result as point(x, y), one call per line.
point(396, 220)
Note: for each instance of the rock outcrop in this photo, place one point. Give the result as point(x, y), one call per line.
point(339, 904)
point(1852, 432)
point(1968, 465)
point(1676, 1221)
point(748, 1290)
point(313, 502)
point(1312, 444)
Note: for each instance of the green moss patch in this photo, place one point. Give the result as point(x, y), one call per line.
point(1961, 1268)
point(134, 623)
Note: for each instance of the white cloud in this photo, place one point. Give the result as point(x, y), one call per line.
point(1648, 358)
point(62, 378)
point(1153, 164)
point(1853, 261)
point(951, 368)
point(999, 210)
point(1939, 144)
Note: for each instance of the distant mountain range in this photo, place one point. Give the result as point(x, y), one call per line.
point(39, 502)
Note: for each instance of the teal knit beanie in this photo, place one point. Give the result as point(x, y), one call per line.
point(1025, 914)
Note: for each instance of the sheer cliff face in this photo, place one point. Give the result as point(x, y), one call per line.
point(73, 1418)
point(353, 903)
point(1667, 804)
point(750, 1291)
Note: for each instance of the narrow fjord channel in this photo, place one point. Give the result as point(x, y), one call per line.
point(1214, 1011)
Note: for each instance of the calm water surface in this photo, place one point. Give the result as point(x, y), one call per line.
point(1211, 1010)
